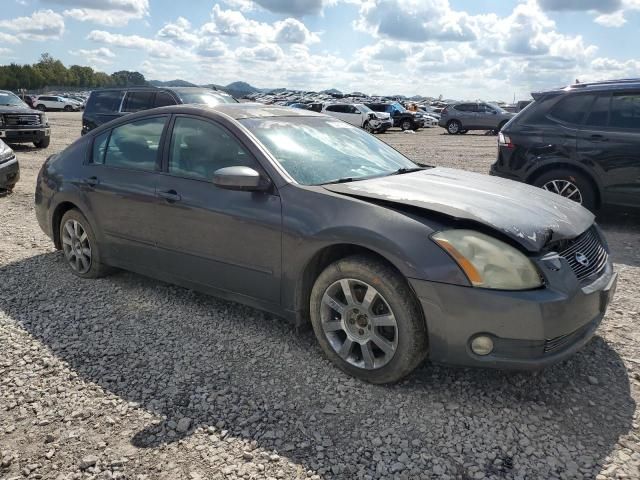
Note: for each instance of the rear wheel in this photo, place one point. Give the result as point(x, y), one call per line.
point(68, 108)
point(367, 320)
point(454, 127)
point(81, 250)
point(406, 124)
point(41, 107)
point(569, 184)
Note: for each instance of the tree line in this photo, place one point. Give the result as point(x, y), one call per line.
point(51, 72)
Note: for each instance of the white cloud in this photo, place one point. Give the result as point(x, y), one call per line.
point(266, 53)
point(296, 8)
point(155, 48)
point(104, 12)
point(179, 32)
point(97, 56)
point(8, 38)
point(609, 13)
point(41, 25)
point(293, 31)
point(415, 20)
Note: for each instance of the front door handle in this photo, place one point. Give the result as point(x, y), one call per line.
point(91, 181)
point(170, 196)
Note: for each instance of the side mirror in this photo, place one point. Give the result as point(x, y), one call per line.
point(240, 178)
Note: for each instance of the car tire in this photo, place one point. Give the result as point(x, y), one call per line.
point(68, 108)
point(565, 182)
point(406, 124)
point(41, 107)
point(454, 127)
point(44, 143)
point(76, 237)
point(377, 351)
point(367, 127)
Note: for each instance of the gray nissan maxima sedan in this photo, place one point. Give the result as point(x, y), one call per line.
point(308, 217)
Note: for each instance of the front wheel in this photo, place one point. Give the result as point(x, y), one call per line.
point(569, 184)
point(44, 143)
point(81, 250)
point(367, 126)
point(367, 320)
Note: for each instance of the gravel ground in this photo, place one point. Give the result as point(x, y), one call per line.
point(126, 377)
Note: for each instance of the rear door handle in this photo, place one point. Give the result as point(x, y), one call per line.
point(91, 181)
point(599, 138)
point(170, 196)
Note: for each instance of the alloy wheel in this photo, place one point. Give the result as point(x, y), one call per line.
point(76, 246)
point(564, 188)
point(359, 324)
point(454, 127)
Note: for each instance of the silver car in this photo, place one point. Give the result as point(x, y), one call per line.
point(464, 116)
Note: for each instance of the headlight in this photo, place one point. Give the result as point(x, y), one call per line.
point(44, 120)
point(487, 262)
point(5, 152)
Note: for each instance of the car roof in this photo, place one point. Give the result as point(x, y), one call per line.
point(258, 110)
point(605, 85)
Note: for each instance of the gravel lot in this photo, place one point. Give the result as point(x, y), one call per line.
point(127, 377)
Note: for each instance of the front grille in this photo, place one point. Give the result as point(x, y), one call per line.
point(21, 119)
point(586, 254)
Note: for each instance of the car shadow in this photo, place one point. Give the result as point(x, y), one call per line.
point(242, 373)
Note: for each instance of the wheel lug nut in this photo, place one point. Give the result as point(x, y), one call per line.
point(361, 331)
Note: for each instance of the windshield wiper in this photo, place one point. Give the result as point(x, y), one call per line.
point(402, 170)
point(339, 180)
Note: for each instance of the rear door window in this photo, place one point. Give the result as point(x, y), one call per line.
point(599, 114)
point(105, 102)
point(625, 111)
point(573, 108)
point(136, 145)
point(136, 101)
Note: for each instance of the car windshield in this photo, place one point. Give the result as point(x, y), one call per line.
point(9, 99)
point(498, 108)
point(399, 107)
point(206, 98)
point(323, 150)
point(363, 108)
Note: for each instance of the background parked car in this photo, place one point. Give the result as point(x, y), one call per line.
point(107, 104)
point(21, 124)
point(400, 116)
point(582, 142)
point(464, 116)
point(9, 168)
point(54, 102)
point(359, 115)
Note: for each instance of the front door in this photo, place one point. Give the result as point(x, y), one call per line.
point(610, 140)
point(120, 189)
point(225, 239)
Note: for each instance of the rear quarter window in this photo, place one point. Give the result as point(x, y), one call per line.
point(104, 102)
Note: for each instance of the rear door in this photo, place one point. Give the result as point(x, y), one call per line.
point(137, 100)
point(352, 115)
point(465, 113)
point(102, 107)
point(120, 187)
point(225, 239)
point(610, 141)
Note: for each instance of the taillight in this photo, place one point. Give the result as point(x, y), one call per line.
point(505, 141)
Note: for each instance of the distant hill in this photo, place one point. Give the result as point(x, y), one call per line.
point(334, 91)
point(171, 83)
point(240, 89)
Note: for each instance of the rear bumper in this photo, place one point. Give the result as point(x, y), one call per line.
point(9, 173)
point(530, 329)
point(24, 135)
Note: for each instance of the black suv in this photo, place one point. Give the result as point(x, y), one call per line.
point(107, 104)
point(400, 116)
point(19, 123)
point(582, 142)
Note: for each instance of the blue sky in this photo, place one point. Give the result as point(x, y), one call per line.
point(492, 49)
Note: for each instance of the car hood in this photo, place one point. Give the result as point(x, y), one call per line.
point(17, 109)
point(529, 215)
point(383, 115)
